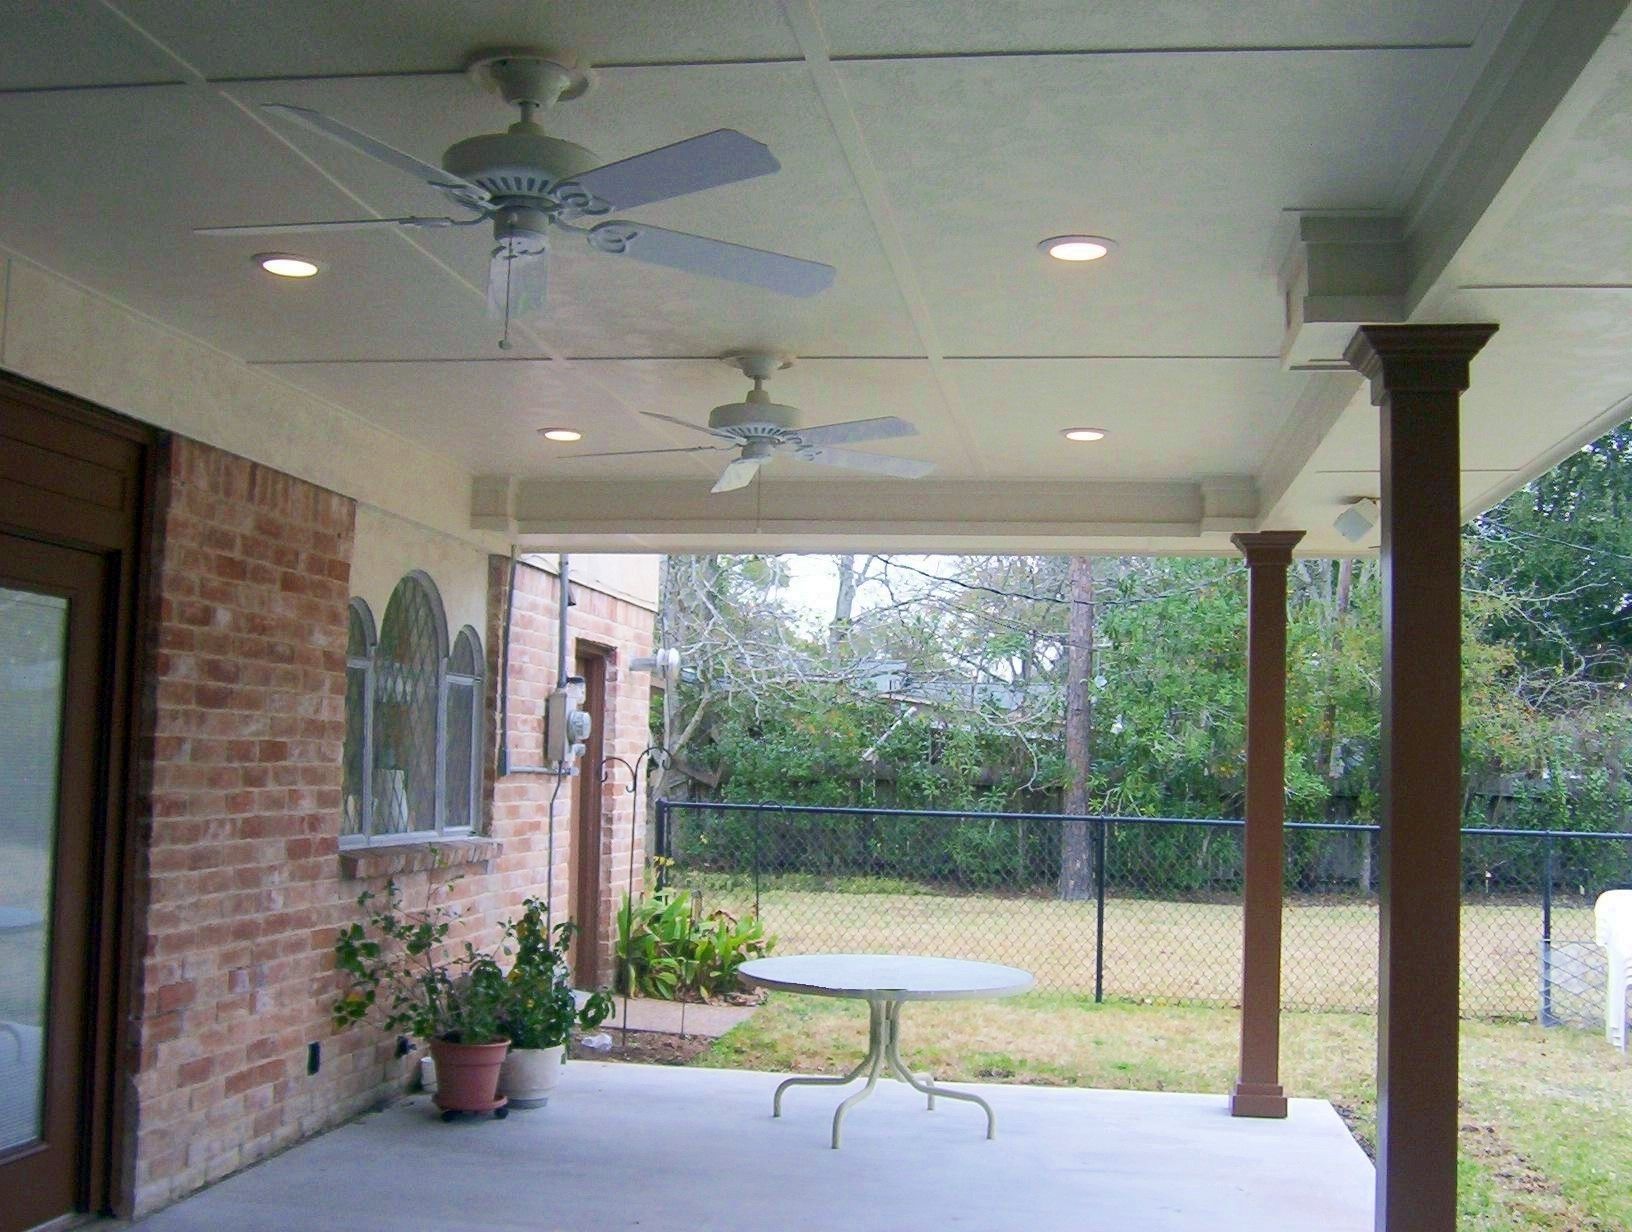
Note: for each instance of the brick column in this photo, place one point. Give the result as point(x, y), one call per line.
point(1417, 375)
point(1258, 1083)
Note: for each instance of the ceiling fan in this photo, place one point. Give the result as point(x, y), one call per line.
point(758, 429)
point(526, 182)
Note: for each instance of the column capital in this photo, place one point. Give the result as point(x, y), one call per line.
point(1419, 358)
point(1267, 547)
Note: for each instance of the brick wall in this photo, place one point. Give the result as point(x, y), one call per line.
point(521, 799)
point(240, 888)
point(245, 727)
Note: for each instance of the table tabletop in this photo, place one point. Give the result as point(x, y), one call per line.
point(893, 977)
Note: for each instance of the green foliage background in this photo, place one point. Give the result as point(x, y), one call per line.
point(1547, 643)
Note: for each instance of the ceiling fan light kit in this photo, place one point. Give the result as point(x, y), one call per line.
point(525, 183)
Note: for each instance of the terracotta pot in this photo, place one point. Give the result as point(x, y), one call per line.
point(467, 1075)
point(529, 1075)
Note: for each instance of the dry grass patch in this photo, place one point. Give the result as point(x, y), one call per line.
point(1158, 949)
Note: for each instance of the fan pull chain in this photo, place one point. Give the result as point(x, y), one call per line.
point(509, 265)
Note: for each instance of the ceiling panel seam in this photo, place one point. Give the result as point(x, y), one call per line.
point(1196, 49)
point(807, 31)
point(854, 57)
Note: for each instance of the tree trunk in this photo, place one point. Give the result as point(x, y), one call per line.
point(1076, 849)
point(844, 605)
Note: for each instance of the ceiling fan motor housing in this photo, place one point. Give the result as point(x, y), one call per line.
point(523, 162)
point(747, 420)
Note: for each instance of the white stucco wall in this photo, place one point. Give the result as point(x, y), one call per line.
point(625, 575)
point(387, 547)
point(61, 334)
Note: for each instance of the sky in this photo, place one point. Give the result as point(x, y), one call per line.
point(813, 583)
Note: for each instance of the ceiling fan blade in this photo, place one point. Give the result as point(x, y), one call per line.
point(738, 475)
point(853, 430)
point(723, 156)
point(697, 254)
point(344, 224)
point(630, 453)
point(517, 278)
point(875, 463)
point(427, 173)
point(685, 424)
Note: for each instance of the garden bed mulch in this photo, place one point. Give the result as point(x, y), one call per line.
point(646, 1048)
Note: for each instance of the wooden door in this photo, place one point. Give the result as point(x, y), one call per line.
point(53, 689)
point(589, 835)
point(73, 487)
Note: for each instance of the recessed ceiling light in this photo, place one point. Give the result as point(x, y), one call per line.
point(560, 434)
point(285, 264)
point(1083, 434)
point(1077, 247)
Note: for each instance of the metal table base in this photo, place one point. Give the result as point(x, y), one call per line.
point(883, 1047)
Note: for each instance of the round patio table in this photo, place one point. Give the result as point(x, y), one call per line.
point(884, 981)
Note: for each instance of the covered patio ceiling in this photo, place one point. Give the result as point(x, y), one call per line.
point(1471, 151)
point(627, 1138)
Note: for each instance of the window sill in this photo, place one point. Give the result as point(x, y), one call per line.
point(419, 856)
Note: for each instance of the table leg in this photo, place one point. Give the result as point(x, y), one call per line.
point(892, 1036)
point(875, 1048)
point(875, 1059)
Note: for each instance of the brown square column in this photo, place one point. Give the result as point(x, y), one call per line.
point(1258, 1083)
point(1417, 375)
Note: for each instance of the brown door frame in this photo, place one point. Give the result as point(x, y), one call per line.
point(589, 818)
point(74, 475)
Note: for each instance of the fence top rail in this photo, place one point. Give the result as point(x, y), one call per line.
point(854, 810)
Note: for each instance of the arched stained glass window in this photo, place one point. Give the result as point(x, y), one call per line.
point(407, 710)
point(413, 720)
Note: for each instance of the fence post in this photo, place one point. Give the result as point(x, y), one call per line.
point(664, 843)
point(1547, 1018)
point(758, 816)
point(1099, 910)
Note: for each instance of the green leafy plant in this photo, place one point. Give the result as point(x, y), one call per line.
point(669, 950)
point(540, 1010)
point(401, 969)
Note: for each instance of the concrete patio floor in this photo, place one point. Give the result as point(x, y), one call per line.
point(650, 1147)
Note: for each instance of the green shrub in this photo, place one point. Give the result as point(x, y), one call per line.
point(539, 1010)
point(667, 949)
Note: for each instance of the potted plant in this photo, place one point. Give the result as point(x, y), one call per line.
point(540, 1010)
point(401, 968)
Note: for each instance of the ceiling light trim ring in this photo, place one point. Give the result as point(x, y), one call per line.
point(1077, 248)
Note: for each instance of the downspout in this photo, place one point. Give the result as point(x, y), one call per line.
point(563, 572)
point(504, 670)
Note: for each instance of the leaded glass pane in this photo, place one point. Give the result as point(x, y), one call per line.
point(356, 634)
point(461, 763)
point(351, 818)
point(463, 660)
point(407, 670)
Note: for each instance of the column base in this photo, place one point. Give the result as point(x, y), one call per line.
point(1258, 1099)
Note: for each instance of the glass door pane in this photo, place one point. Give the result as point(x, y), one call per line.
point(33, 649)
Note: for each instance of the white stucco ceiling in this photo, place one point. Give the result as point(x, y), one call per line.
point(925, 149)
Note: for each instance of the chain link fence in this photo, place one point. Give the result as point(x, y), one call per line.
point(1141, 908)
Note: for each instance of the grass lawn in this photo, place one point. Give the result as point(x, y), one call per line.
point(1546, 1115)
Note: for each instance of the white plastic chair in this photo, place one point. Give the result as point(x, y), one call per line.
point(1613, 912)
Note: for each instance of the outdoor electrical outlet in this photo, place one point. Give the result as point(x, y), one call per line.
point(314, 1057)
